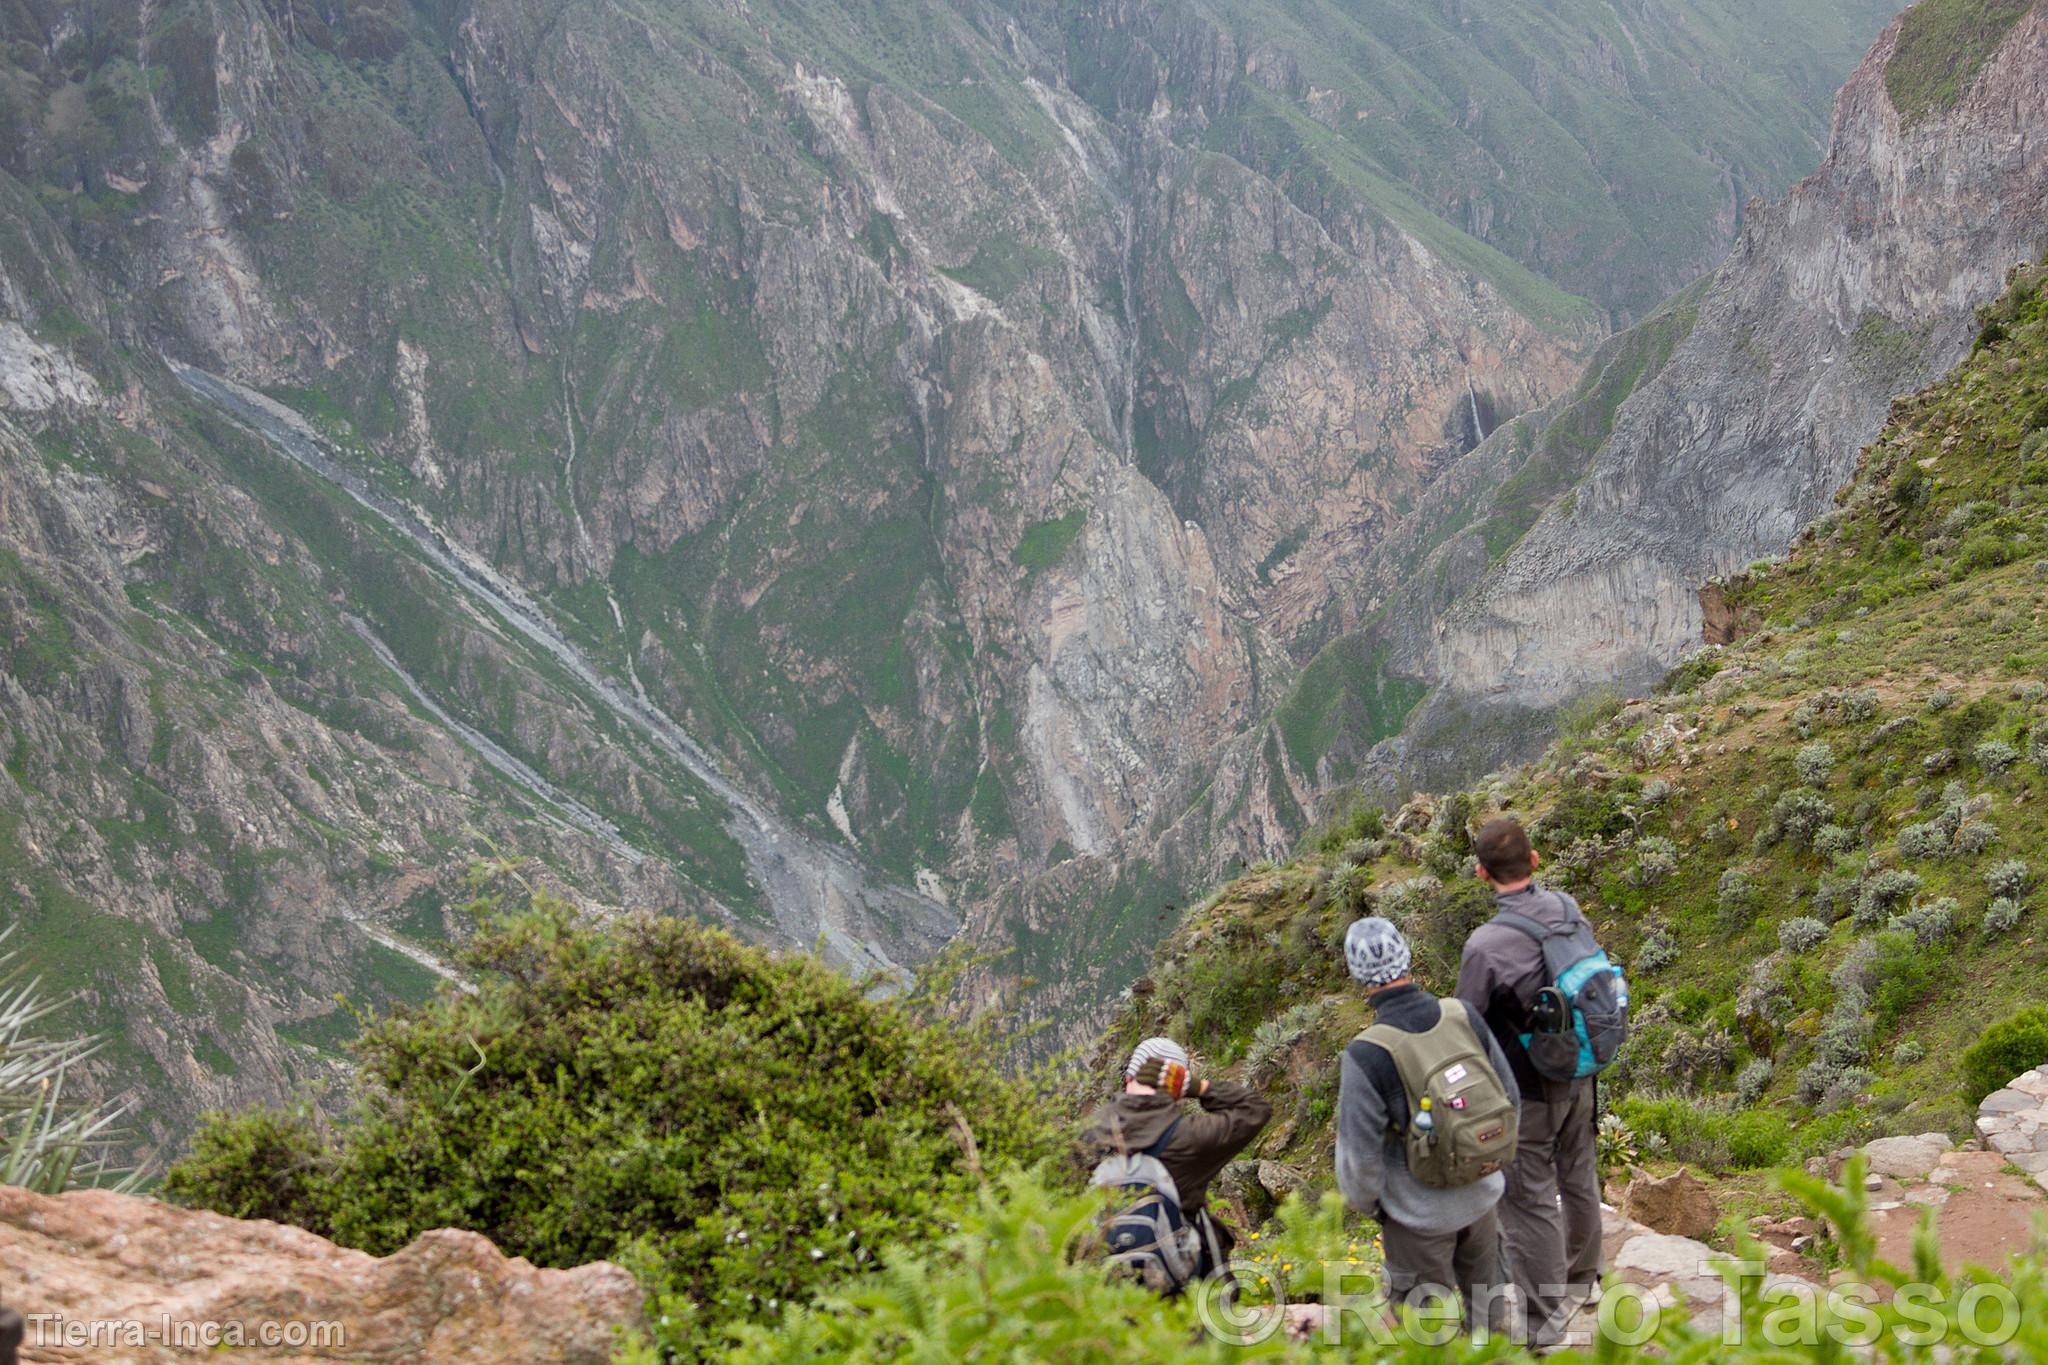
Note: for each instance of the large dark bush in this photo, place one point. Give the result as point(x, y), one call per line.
point(2015, 1044)
point(738, 1126)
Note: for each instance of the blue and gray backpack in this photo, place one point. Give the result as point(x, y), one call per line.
point(1580, 1016)
point(1145, 1236)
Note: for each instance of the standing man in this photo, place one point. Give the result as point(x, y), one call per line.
point(1195, 1147)
point(1425, 1122)
point(1550, 1215)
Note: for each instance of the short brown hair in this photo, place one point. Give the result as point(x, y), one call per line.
point(1502, 846)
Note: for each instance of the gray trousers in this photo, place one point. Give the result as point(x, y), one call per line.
point(1421, 1266)
point(1550, 1215)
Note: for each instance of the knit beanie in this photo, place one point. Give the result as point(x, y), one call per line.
point(1375, 951)
point(1164, 1049)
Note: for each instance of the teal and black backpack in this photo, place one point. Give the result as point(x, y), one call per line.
point(1580, 1017)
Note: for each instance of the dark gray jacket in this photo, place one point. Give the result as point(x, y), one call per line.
point(1372, 1124)
point(1503, 969)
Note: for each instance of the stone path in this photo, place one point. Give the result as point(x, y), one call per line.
point(1984, 1197)
point(2014, 1122)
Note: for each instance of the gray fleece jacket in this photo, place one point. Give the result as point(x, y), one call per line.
point(1372, 1124)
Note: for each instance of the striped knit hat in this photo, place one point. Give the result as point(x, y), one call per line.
point(1160, 1049)
point(1375, 951)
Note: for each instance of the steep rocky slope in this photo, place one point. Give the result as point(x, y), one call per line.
point(843, 468)
point(1565, 553)
point(1817, 850)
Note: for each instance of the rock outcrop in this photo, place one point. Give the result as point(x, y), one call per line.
point(1679, 1204)
point(121, 1280)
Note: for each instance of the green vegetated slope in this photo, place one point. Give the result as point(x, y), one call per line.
point(1943, 44)
point(1819, 851)
point(1607, 147)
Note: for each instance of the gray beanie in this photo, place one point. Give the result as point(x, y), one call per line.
point(1376, 951)
point(1164, 1049)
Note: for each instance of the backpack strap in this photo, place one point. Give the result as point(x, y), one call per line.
point(1399, 1045)
point(1523, 924)
point(1159, 1145)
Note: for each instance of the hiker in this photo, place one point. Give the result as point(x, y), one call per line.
point(1426, 1116)
point(1558, 1009)
point(1148, 1119)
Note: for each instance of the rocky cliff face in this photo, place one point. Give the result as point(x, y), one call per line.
point(1711, 435)
point(846, 469)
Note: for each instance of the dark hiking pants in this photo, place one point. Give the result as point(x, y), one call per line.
point(1550, 1215)
point(1422, 1266)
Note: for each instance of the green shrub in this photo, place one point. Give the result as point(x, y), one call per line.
point(266, 1163)
point(1657, 952)
point(1988, 551)
point(1757, 1139)
point(1747, 1140)
point(1905, 969)
point(1737, 898)
point(1358, 822)
point(1882, 893)
point(1929, 923)
point(739, 1127)
point(2013, 1045)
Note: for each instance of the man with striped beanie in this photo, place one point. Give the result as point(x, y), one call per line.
point(1150, 1116)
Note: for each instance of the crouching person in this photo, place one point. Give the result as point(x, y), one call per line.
point(1162, 1159)
point(1426, 1121)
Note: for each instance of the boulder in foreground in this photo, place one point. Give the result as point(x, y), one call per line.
point(123, 1280)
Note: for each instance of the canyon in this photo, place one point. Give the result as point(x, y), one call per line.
point(861, 473)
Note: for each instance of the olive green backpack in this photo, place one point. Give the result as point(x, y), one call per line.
point(1473, 1124)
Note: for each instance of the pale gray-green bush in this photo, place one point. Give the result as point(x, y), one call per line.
point(1814, 763)
point(1927, 840)
point(1882, 894)
point(1752, 1081)
point(2012, 877)
point(1974, 836)
point(1801, 934)
point(1929, 923)
point(1834, 840)
point(1995, 755)
point(1656, 859)
point(2002, 914)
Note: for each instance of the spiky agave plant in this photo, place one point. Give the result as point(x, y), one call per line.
point(47, 1143)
